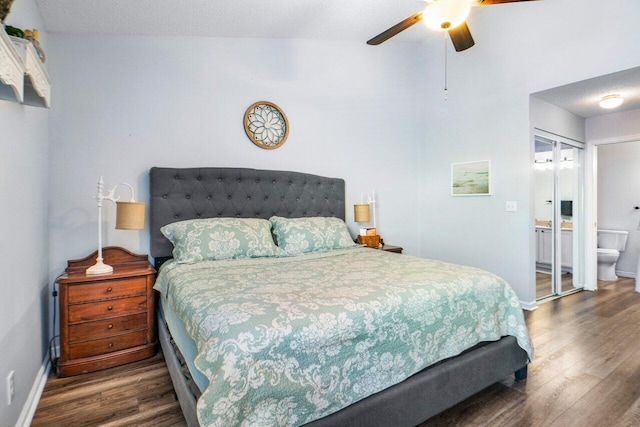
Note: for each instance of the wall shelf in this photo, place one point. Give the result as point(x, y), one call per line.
point(37, 84)
point(11, 70)
point(23, 77)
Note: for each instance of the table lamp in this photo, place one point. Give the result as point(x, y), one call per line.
point(129, 216)
point(362, 213)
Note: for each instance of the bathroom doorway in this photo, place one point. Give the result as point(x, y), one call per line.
point(559, 211)
point(618, 210)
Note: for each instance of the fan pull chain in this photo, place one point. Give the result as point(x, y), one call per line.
point(445, 65)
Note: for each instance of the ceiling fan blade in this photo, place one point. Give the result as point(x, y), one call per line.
point(461, 37)
point(386, 35)
point(490, 2)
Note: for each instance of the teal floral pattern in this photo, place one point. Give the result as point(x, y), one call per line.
point(315, 234)
point(285, 341)
point(220, 238)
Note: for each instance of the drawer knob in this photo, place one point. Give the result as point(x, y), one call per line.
point(110, 344)
point(110, 327)
point(110, 308)
point(109, 289)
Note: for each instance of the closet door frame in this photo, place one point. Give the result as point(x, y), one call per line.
point(578, 237)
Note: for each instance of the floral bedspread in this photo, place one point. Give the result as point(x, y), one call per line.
point(285, 341)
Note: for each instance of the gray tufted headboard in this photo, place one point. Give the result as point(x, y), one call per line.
point(181, 194)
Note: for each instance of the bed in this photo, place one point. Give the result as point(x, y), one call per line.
point(456, 369)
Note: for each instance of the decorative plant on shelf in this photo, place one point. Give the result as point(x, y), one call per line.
point(5, 6)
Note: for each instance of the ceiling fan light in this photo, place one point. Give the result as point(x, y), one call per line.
point(611, 101)
point(444, 15)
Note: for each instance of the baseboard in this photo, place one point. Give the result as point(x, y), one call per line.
point(630, 274)
point(30, 406)
point(529, 306)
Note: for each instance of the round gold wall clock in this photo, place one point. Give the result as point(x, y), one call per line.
point(266, 125)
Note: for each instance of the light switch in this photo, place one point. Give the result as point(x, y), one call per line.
point(512, 206)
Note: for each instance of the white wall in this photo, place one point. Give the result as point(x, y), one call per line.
point(125, 104)
point(553, 119)
point(616, 126)
point(24, 250)
point(521, 48)
point(617, 176)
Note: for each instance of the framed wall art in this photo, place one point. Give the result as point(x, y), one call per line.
point(266, 125)
point(471, 178)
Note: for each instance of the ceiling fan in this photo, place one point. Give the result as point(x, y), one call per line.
point(442, 15)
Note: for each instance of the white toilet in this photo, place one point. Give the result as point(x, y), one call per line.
point(610, 244)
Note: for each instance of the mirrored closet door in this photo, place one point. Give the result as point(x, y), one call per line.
point(558, 216)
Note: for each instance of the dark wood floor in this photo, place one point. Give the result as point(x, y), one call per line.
point(586, 373)
point(586, 370)
point(137, 394)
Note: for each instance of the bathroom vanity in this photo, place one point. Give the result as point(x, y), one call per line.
point(544, 240)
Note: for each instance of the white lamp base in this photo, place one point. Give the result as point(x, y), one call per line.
point(99, 268)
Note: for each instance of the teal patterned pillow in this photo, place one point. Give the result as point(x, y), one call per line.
point(317, 234)
point(220, 238)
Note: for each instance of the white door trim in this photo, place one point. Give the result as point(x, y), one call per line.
point(585, 275)
point(591, 207)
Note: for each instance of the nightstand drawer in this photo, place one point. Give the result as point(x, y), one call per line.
point(105, 290)
point(105, 328)
point(107, 309)
point(107, 345)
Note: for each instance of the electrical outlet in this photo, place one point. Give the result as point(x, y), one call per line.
point(512, 206)
point(11, 387)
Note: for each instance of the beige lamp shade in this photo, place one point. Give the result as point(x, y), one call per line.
point(130, 216)
point(361, 213)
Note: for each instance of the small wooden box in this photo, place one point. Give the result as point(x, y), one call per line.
point(369, 241)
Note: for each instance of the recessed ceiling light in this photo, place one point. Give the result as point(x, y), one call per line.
point(611, 101)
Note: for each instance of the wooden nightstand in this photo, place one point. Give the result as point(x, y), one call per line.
point(389, 248)
point(109, 319)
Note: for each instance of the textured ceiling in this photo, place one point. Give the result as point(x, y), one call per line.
point(582, 97)
point(354, 20)
point(293, 19)
point(300, 19)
